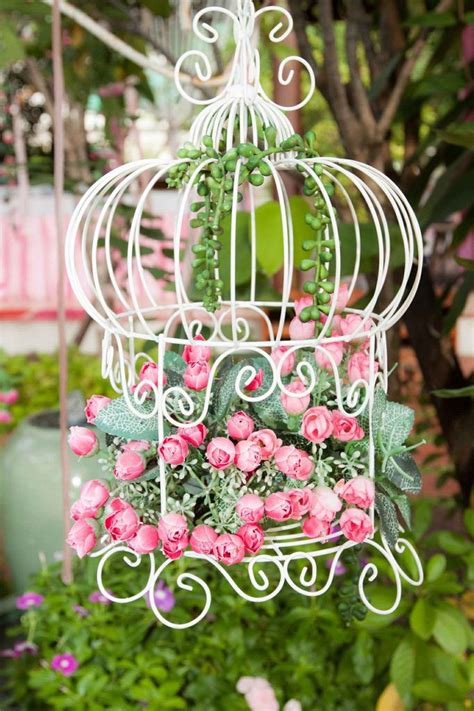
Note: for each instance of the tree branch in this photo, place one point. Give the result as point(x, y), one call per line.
point(358, 92)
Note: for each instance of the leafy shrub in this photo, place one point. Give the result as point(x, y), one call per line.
point(127, 660)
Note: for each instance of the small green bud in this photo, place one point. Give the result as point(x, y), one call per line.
point(309, 244)
point(314, 313)
point(256, 179)
point(230, 165)
point(207, 141)
point(327, 286)
point(305, 314)
point(264, 168)
point(307, 264)
point(310, 287)
point(202, 189)
point(271, 135)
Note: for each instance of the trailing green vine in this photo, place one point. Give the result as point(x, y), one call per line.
point(219, 177)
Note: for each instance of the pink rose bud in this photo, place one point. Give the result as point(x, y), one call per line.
point(94, 405)
point(335, 324)
point(301, 501)
point(284, 359)
point(240, 426)
point(278, 506)
point(313, 527)
point(267, 441)
point(137, 445)
point(297, 404)
point(256, 382)
point(346, 428)
point(173, 531)
point(356, 525)
point(122, 521)
point(341, 297)
point(82, 441)
point(250, 508)
point(358, 367)
point(94, 494)
point(174, 450)
point(129, 466)
point(149, 372)
point(196, 376)
point(317, 424)
point(9, 397)
point(324, 354)
point(194, 353)
point(300, 331)
point(302, 303)
point(252, 536)
point(350, 324)
point(202, 539)
point(145, 540)
point(325, 504)
point(195, 435)
point(220, 452)
point(295, 463)
point(229, 549)
point(359, 491)
point(5, 417)
point(82, 538)
point(247, 455)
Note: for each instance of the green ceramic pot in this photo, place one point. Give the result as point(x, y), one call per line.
point(31, 495)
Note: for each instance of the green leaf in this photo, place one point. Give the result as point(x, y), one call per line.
point(403, 471)
point(449, 630)
point(363, 657)
point(467, 391)
point(224, 391)
point(269, 410)
point(174, 362)
point(459, 134)
point(435, 567)
point(243, 255)
point(396, 424)
point(434, 19)
point(402, 668)
point(11, 45)
point(469, 521)
point(435, 691)
point(422, 619)
point(117, 419)
point(453, 543)
point(388, 518)
point(459, 302)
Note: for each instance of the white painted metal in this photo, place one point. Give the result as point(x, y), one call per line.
point(126, 319)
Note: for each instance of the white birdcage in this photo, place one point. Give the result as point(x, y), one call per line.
point(137, 328)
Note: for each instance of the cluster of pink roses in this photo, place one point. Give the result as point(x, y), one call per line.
point(7, 398)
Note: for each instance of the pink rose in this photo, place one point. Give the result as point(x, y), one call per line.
point(195, 435)
point(323, 355)
point(300, 331)
point(358, 367)
point(255, 382)
point(252, 536)
point(173, 450)
point(229, 549)
point(359, 491)
point(247, 455)
point(194, 353)
point(250, 508)
point(356, 525)
point(295, 463)
point(302, 303)
point(129, 466)
point(145, 540)
point(298, 404)
point(220, 452)
point(350, 324)
point(149, 372)
point(313, 527)
point(317, 424)
point(325, 503)
point(5, 417)
point(82, 538)
point(122, 521)
point(173, 531)
point(94, 405)
point(202, 539)
point(346, 428)
point(137, 445)
point(93, 496)
point(301, 501)
point(287, 360)
point(335, 324)
point(82, 441)
point(278, 506)
point(267, 441)
point(341, 297)
point(240, 426)
point(196, 375)
point(9, 397)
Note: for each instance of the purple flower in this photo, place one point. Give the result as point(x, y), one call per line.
point(9, 653)
point(339, 569)
point(29, 599)
point(97, 596)
point(164, 598)
point(81, 611)
point(25, 647)
point(66, 664)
